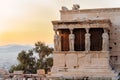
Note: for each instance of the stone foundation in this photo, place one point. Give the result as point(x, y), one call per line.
point(85, 78)
point(77, 64)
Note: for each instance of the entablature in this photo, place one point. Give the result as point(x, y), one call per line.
point(104, 23)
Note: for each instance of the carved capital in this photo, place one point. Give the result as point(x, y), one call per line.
point(105, 30)
point(71, 28)
point(87, 30)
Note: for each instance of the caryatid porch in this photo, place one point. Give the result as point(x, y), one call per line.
point(81, 35)
point(80, 47)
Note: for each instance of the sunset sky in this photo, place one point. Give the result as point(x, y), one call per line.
point(29, 21)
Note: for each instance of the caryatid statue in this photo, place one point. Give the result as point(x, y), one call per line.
point(105, 43)
point(71, 41)
point(59, 43)
point(56, 41)
point(87, 40)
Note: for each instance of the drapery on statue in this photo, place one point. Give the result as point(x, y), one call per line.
point(71, 41)
point(59, 43)
point(56, 41)
point(105, 44)
point(87, 42)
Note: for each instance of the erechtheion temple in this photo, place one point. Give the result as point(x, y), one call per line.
point(87, 43)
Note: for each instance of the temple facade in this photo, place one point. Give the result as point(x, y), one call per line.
point(86, 43)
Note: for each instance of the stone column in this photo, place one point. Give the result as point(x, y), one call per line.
point(71, 40)
point(57, 42)
point(87, 40)
point(105, 41)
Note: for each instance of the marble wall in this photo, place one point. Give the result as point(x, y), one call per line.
point(113, 14)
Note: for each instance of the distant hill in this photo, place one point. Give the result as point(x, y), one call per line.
point(9, 53)
point(14, 48)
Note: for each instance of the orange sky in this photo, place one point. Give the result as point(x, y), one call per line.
point(29, 21)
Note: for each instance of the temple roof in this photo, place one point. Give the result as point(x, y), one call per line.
point(92, 10)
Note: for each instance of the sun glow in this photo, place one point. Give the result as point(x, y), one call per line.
point(29, 21)
point(3, 29)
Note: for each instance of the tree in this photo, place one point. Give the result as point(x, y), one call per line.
point(30, 64)
point(49, 62)
point(27, 62)
point(43, 51)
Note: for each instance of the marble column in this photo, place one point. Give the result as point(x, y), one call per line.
point(71, 40)
point(105, 41)
point(57, 42)
point(87, 40)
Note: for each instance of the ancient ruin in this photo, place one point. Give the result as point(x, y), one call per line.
point(87, 43)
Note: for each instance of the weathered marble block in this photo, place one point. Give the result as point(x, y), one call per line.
point(71, 60)
point(59, 60)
